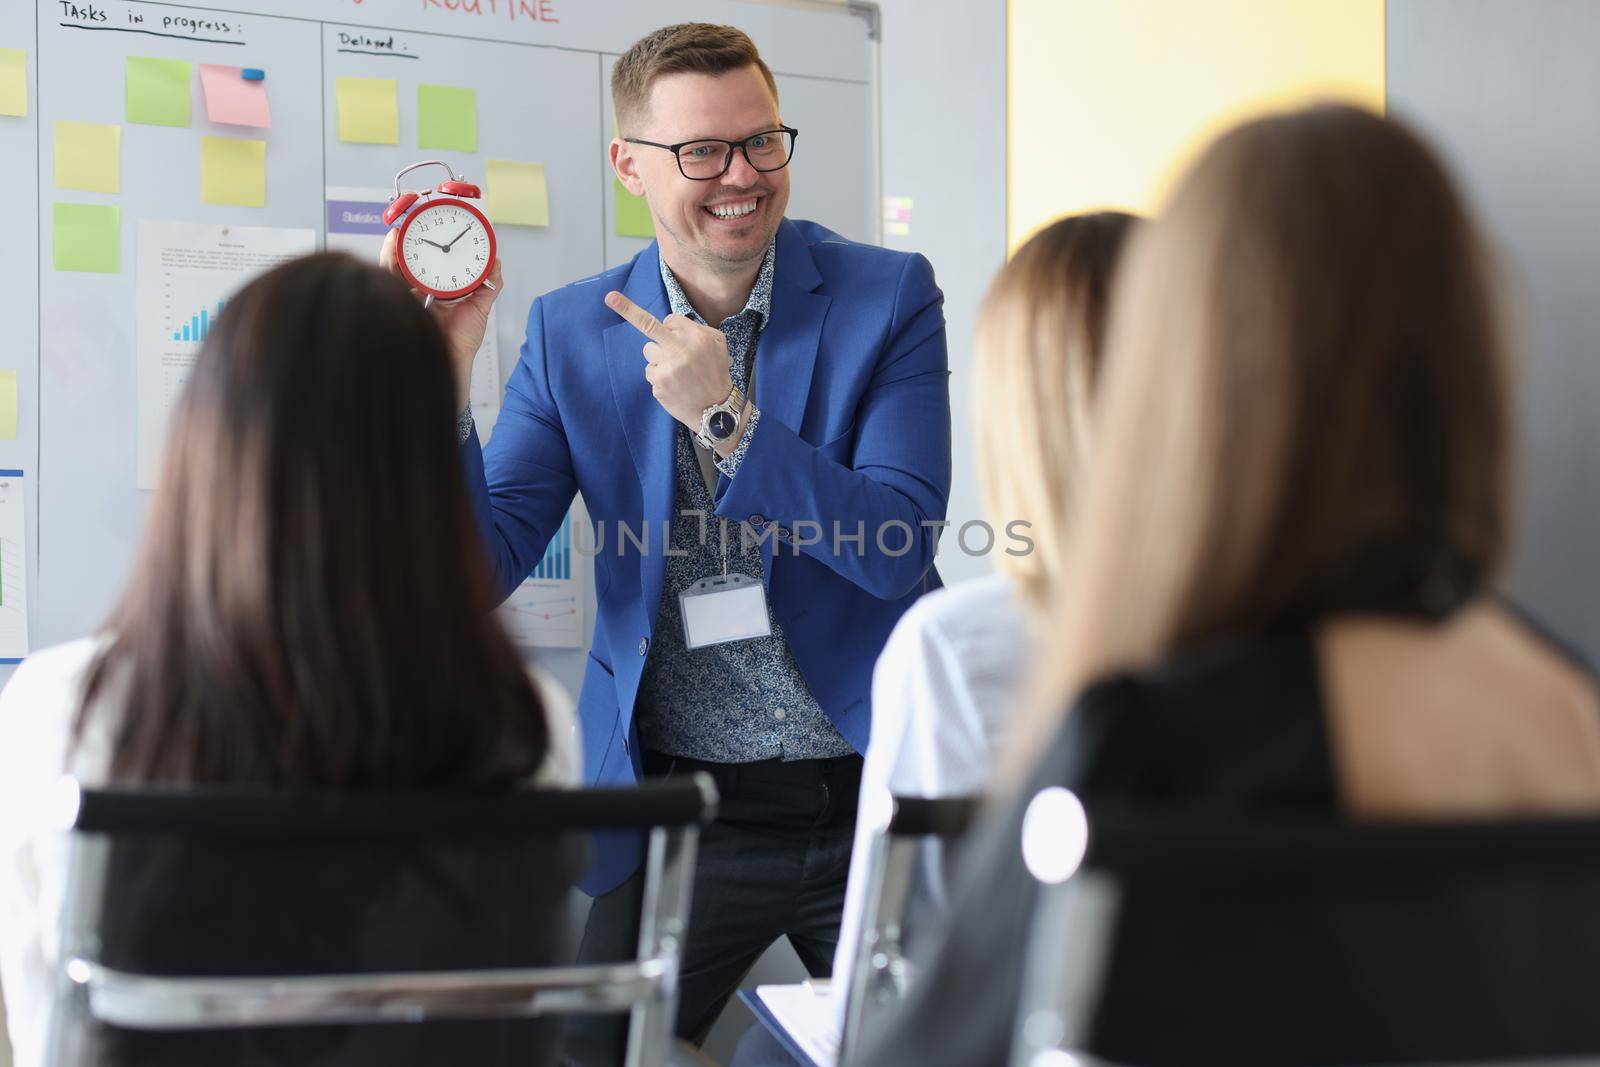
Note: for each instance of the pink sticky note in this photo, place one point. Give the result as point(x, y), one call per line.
point(231, 99)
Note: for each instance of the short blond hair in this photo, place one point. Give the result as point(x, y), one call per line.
point(1039, 339)
point(686, 48)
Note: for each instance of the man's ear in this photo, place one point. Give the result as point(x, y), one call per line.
point(626, 167)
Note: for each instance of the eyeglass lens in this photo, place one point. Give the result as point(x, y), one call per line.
point(710, 159)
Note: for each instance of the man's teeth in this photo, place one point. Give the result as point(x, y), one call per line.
point(733, 211)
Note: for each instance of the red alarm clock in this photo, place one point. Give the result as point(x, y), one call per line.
point(445, 247)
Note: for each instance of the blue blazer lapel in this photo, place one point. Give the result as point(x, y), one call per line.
point(648, 428)
point(787, 353)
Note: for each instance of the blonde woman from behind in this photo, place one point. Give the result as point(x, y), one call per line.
point(948, 681)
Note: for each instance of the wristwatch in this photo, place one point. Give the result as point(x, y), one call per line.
point(718, 421)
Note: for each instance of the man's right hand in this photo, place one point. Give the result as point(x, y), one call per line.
point(463, 321)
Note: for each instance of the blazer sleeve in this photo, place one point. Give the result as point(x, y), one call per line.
point(896, 487)
point(523, 483)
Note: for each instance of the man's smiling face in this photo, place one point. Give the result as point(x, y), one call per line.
point(725, 224)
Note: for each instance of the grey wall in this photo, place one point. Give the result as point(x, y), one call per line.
point(1510, 91)
point(944, 145)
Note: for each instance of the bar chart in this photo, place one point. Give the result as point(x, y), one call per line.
point(557, 562)
point(546, 610)
point(198, 328)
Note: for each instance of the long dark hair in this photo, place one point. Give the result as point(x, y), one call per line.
point(311, 605)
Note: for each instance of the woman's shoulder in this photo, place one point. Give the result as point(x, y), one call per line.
point(985, 612)
point(38, 707)
point(46, 682)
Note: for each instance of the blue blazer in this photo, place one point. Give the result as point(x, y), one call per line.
point(853, 384)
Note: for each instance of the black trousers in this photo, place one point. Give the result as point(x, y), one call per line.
point(772, 865)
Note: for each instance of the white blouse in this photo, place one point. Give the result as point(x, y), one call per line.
point(37, 708)
point(943, 690)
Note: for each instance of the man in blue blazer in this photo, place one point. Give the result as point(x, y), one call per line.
point(818, 490)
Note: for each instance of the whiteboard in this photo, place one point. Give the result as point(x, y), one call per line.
point(541, 72)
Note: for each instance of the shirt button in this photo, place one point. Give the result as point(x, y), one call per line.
point(778, 713)
point(644, 645)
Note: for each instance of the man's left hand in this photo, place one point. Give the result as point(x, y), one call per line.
point(686, 363)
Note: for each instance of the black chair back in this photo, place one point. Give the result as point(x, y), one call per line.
point(227, 883)
point(1184, 941)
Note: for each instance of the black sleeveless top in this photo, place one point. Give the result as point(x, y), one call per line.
point(1235, 727)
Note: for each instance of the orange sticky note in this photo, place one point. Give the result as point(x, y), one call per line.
point(232, 99)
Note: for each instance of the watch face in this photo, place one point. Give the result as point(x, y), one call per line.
point(721, 424)
point(446, 246)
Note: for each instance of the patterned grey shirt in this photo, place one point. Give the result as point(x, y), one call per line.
point(743, 700)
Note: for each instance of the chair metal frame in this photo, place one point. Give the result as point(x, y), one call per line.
point(646, 987)
point(879, 971)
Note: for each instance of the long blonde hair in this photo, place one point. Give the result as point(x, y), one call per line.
point(1040, 335)
point(1306, 406)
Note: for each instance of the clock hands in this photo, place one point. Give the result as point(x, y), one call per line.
point(457, 237)
point(440, 247)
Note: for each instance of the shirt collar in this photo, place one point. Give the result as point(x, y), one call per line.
point(759, 303)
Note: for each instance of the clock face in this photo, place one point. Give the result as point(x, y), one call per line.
point(447, 247)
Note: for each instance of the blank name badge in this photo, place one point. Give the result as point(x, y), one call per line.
point(726, 607)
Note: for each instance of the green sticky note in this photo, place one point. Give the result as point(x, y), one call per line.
point(8, 405)
point(158, 91)
point(233, 171)
point(369, 110)
point(518, 195)
point(633, 212)
point(13, 82)
point(88, 237)
point(447, 117)
point(89, 157)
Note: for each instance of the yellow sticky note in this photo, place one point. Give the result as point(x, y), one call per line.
point(8, 405)
point(233, 171)
point(369, 110)
point(89, 157)
point(518, 195)
point(13, 82)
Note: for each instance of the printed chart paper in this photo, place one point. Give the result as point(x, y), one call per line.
point(186, 273)
point(546, 610)
point(13, 569)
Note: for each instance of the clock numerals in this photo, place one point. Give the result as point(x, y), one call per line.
point(431, 242)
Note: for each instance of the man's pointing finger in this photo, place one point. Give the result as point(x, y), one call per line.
point(641, 319)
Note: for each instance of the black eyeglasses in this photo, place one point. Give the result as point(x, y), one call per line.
point(710, 157)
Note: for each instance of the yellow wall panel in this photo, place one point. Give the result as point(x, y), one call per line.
point(1110, 99)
